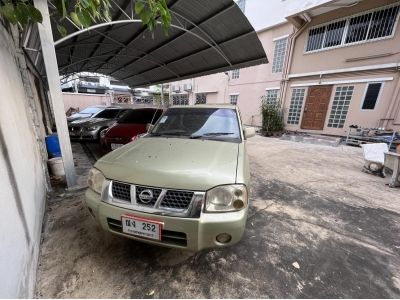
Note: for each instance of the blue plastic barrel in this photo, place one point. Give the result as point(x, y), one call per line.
point(53, 145)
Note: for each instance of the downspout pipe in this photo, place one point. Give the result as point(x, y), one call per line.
point(288, 63)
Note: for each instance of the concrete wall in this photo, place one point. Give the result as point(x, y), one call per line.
point(336, 58)
point(23, 187)
point(82, 101)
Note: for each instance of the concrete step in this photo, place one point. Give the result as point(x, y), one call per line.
point(312, 139)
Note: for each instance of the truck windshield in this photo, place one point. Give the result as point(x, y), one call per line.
point(199, 123)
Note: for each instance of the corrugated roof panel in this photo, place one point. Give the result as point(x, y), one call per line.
point(207, 36)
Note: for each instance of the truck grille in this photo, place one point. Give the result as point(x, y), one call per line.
point(155, 192)
point(177, 199)
point(122, 191)
point(171, 199)
point(167, 236)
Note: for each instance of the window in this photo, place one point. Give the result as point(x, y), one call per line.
point(279, 55)
point(271, 97)
point(235, 74)
point(108, 114)
point(371, 95)
point(206, 123)
point(296, 103)
point(334, 34)
point(242, 5)
point(234, 99)
point(201, 98)
point(182, 99)
point(340, 106)
point(141, 116)
point(145, 99)
point(375, 24)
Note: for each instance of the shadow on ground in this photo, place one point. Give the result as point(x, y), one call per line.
point(297, 244)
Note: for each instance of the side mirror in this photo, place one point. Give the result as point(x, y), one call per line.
point(249, 132)
point(149, 127)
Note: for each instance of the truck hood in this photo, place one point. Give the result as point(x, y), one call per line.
point(173, 163)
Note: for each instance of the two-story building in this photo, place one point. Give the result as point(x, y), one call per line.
point(333, 63)
point(343, 67)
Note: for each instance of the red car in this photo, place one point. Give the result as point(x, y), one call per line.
point(130, 125)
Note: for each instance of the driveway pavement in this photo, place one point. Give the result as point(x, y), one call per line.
point(318, 227)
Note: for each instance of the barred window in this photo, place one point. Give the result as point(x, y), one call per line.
point(271, 97)
point(242, 5)
point(375, 24)
point(340, 106)
point(279, 55)
point(296, 103)
point(201, 98)
point(182, 99)
point(235, 74)
point(233, 99)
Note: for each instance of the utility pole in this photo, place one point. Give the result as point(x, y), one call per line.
point(53, 80)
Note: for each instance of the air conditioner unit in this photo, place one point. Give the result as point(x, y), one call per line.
point(187, 87)
point(176, 88)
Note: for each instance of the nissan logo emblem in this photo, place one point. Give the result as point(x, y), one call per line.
point(146, 196)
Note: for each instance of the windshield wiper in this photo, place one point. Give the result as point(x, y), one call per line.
point(210, 134)
point(169, 134)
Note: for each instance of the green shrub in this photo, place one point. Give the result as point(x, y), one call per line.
point(272, 117)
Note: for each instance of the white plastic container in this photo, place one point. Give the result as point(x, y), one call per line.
point(56, 166)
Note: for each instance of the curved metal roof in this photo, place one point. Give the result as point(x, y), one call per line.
point(206, 37)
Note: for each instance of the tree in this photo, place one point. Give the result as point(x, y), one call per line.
point(84, 13)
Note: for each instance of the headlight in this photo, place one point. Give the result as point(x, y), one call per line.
point(95, 180)
point(226, 198)
point(90, 128)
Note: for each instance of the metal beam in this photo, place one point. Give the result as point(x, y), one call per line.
point(225, 9)
point(53, 80)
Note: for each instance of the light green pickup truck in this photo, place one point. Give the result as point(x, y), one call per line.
point(185, 184)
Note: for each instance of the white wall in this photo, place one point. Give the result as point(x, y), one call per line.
point(23, 181)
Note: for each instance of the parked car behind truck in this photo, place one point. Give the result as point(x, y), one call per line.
point(89, 129)
point(132, 124)
point(185, 184)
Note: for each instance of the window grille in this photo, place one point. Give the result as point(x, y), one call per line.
point(145, 99)
point(296, 103)
point(271, 97)
point(201, 98)
point(376, 24)
point(235, 74)
point(279, 55)
point(182, 99)
point(340, 106)
point(234, 99)
point(371, 96)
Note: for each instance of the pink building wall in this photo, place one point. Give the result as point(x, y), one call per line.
point(82, 101)
point(250, 85)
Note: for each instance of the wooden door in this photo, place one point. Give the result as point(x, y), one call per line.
point(316, 107)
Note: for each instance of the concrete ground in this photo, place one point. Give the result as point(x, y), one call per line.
point(318, 228)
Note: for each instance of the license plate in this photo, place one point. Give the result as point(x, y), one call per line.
point(116, 146)
point(144, 228)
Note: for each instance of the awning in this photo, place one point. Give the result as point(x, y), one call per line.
point(206, 37)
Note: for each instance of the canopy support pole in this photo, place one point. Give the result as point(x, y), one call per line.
point(53, 80)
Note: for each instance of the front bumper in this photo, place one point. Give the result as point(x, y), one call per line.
point(83, 135)
point(192, 234)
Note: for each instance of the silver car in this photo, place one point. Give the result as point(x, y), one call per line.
point(89, 129)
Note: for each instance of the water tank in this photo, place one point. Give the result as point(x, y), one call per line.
point(53, 145)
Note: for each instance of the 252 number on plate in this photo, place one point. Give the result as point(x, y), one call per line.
point(145, 228)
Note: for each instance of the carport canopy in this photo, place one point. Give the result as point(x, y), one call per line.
point(205, 37)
